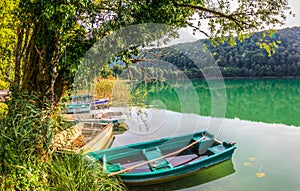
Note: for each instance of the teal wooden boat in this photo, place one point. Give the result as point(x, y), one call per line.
point(165, 159)
point(79, 104)
point(114, 120)
point(73, 108)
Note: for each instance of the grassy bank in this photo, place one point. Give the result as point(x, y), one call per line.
point(27, 161)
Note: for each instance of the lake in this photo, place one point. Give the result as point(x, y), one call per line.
point(261, 116)
point(263, 100)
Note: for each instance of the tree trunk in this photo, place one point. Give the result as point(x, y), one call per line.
point(38, 68)
point(18, 53)
point(54, 71)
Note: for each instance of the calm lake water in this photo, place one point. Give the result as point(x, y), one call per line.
point(261, 116)
point(263, 100)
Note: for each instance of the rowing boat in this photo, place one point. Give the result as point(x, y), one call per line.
point(74, 108)
point(164, 159)
point(113, 117)
point(105, 120)
point(100, 103)
point(84, 137)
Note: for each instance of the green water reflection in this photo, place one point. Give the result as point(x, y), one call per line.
point(265, 100)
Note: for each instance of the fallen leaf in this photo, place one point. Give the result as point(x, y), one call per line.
point(247, 164)
point(260, 174)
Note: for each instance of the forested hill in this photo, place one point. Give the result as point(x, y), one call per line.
point(246, 59)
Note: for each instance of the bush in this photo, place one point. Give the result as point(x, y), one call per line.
point(28, 176)
point(3, 111)
point(3, 85)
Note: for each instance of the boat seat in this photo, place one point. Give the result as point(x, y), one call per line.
point(217, 149)
point(154, 153)
point(205, 144)
point(113, 167)
point(107, 167)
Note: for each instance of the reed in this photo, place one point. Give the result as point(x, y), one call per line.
point(118, 91)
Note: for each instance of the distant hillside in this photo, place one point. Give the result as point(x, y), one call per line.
point(245, 59)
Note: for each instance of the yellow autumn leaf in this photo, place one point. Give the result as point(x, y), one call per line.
point(260, 174)
point(247, 164)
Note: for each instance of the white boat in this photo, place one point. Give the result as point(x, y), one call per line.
point(84, 137)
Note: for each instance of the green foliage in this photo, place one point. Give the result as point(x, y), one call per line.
point(3, 111)
point(261, 55)
point(25, 131)
point(3, 85)
point(277, 55)
point(71, 172)
point(25, 176)
point(24, 139)
point(106, 72)
point(8, 28)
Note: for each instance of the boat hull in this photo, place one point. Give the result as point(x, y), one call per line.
point(188, 170)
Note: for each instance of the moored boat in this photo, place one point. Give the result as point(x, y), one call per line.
point(73, 108)
point(85, 104)
point(84, 137)
point(164, 159)
point(113, 117)
point(100, 103)
point(104, 120)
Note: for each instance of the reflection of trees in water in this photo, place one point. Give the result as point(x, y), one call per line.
point(266, 100)
point(141, 118)
point(272, 100)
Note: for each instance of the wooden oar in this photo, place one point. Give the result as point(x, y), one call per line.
point(159, 158)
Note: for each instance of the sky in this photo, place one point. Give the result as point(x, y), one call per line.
point(293, 21)
point(186, 35)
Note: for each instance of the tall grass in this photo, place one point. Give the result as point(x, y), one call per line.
point(24, 135)
point(118, 91)
point(72, 172)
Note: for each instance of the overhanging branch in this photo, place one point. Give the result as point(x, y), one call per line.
point(238, 22)
point(197, 28)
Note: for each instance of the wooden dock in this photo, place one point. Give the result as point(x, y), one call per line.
point(4, 95)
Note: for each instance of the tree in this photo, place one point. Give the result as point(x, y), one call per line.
point(7, 36)
point(53, 36)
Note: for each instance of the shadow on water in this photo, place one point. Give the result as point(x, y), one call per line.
point(207, 175)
